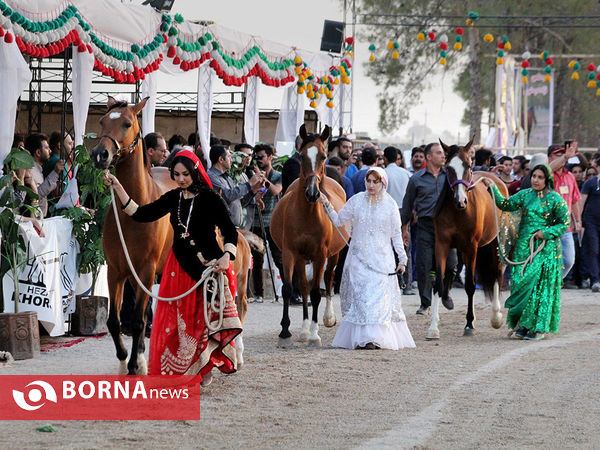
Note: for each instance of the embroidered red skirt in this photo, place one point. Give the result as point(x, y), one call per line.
point(180, 343)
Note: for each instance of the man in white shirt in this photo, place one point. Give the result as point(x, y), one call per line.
point(37, 145)
point(397, 181)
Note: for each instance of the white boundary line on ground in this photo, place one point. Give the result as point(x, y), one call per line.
point(417, 429)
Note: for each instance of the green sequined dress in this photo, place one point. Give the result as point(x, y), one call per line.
point(534, 302)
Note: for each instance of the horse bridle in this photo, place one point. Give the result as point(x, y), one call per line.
point(467, 184)
point(122, 151)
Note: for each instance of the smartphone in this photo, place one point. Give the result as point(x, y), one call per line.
point(568, 143)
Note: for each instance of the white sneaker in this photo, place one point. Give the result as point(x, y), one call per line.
point(414, 285)
point(596, 287)
point(256, 300)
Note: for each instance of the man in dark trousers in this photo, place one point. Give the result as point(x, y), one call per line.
point(422, 193)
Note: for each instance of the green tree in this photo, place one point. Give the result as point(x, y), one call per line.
point(401, 81)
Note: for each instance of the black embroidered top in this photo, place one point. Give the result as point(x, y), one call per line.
point(208, 211)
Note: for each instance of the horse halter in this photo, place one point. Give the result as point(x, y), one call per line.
point(467, 184)
point(122, 151)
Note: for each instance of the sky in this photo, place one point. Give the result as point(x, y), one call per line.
point(301, 24)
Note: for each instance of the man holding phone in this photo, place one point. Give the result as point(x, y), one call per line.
point(566, 185)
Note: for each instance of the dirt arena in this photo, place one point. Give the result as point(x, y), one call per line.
point(486, 391)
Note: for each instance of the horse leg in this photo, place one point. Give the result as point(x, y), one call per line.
point(496, 314)
point(303, 286)
point(137, 361)
point(285, 337)
point(469, 261)
point(115, 288)
point(315, 298)
point(241, 302)
point(329, 319)
point(441, 253)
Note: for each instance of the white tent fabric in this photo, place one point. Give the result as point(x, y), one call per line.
point(14, 78)
point(291, 116)
point(205, 105)
point(83, 65)
point(149, 87)
point(251, 122)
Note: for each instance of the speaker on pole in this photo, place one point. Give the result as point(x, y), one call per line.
point(333, 36)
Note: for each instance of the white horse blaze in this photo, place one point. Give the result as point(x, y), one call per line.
point(312, 153)
point(114, 115)
point(459, 169)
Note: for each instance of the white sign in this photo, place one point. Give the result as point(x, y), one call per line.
point(47, 282)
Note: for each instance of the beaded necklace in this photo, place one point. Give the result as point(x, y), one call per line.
point(185, 233)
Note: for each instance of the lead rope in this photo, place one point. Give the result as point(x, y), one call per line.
point(533, 252)
point(214, 282)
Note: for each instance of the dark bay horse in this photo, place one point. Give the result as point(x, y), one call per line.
point(121, 145)
point(301, 229)
point(465, 221)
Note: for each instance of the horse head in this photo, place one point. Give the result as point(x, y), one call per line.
point(458, 172)
point(312, 166)
point(120, 133)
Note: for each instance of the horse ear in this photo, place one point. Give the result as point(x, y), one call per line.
point(445, 147)
point(111, 101)
point(139, 106)
point(303, 133)
point(325, 134)
point(469, 144)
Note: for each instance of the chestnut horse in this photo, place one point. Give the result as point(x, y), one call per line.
point(121, 145)
point(301, 229)
point(465, 221)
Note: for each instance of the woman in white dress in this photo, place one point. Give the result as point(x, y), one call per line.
point(372, 315)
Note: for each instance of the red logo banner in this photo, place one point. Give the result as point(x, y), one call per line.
point(97, 397)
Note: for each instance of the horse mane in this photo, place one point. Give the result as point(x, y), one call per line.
point(118, 104)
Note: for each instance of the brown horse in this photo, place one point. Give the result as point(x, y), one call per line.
point(121, 145)
point(302, 230)
point(465, 221)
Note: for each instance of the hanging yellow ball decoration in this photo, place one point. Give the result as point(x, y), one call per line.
point(488, 37)
point(395, 55)
point(547, 78)
point(336, 81)
point(443, 61)
point(298, 70)
point(321, 91)
point(311, 94)
point(372, 58)
point(297, 60)
point(458, 46)
point(421, 36)
point(390, 45)
point(574, 76)
point(329, 104)
point(313, 104)
point(572, 64)
point(470, 22)
point(591, 84)
point(524, 79)
point(507, 46)
point(598, 92)
point(301, 90)
point(499, 61)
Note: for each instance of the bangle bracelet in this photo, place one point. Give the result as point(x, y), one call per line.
point(126, 204)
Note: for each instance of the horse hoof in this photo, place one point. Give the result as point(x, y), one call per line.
point(285, 342)
point(496, 320)
point(329, 321)
point(142, 365)
point(314, 342)
point(207, 379)
point(432, 335)
point(303, 337)
point(123, 367)
point(469, 332)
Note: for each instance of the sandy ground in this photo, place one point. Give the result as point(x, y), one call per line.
point(486, 391)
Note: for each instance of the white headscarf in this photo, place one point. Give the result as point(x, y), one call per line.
point(380, 171)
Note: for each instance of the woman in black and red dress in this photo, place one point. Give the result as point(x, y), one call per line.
point(181, 342)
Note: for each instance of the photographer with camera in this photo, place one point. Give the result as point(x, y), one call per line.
point(266, 199)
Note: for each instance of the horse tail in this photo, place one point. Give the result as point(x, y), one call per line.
point(255, 242)
point(488, 268)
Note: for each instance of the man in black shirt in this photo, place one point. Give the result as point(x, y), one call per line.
point(422, 194)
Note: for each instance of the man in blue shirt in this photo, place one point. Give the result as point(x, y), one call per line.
point(369, 159)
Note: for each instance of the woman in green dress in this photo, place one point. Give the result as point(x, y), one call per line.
point(534, 302)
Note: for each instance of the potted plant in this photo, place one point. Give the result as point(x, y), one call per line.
point(19, 331)
point(91, 311)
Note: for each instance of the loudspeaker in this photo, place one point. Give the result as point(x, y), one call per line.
point(333, 36)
